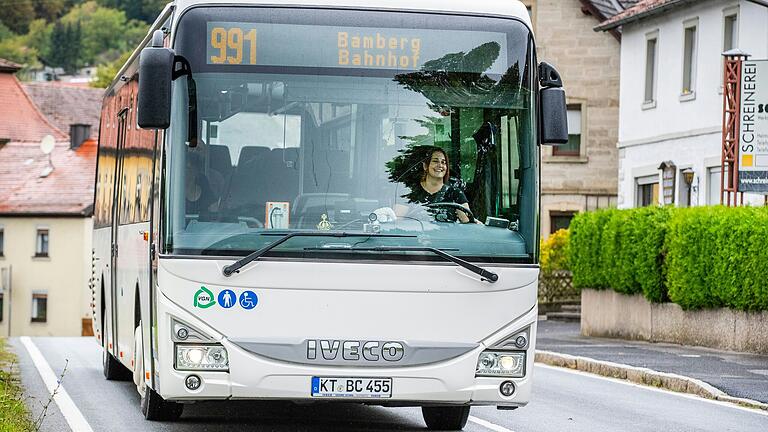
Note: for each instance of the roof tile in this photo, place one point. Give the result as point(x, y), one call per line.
point(68, 189)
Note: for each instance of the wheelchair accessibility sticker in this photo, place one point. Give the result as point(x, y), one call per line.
point(227, 299)
point(248, 300)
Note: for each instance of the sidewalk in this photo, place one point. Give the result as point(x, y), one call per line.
point(737, 374)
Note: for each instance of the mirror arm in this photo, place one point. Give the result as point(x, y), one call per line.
point(549, 76)
point(186, 69)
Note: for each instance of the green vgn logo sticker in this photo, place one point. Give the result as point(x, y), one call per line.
point(204, 298)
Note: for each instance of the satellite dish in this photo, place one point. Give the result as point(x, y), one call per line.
point(47, 144)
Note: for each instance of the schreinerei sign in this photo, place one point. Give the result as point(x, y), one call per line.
point(753, 131)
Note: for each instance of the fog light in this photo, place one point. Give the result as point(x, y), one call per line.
point(201, 357)
point(507, 388)
point(182, 333)
point(193, 382)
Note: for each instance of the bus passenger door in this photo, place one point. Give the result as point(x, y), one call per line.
point(118, 214)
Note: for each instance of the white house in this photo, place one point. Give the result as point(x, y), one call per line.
point(671, 97)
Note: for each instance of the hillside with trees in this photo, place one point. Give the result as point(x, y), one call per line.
point(72, 34)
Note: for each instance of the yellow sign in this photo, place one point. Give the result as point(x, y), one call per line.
point(378, 50)
point(228, 45)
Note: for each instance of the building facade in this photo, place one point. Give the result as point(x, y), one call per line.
point(581, 175)
point(46, 202)
point(670, 120)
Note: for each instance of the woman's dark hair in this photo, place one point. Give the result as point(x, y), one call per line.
point(428, 159)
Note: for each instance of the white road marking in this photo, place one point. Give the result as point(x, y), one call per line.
point(649, 388)
point(71, 413)
point(488, 425)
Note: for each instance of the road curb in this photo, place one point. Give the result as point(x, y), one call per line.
point(644, 376)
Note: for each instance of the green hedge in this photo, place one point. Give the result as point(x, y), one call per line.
point(698, 257)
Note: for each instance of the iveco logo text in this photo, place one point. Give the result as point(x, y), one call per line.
point(355, 350)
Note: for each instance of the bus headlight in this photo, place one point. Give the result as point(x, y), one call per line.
point(501, 364)
point(201, 357)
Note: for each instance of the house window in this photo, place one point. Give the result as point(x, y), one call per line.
point(650, 69)
point(41, 246)
point(39, 307)
point(730, 32)
point(573, 148)
point(689, 58)
point(2, 240)
point(647, 191)
point(560, 220)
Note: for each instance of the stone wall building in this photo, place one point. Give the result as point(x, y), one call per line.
point(580, 176)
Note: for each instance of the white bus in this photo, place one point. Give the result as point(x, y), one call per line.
point(325, 200)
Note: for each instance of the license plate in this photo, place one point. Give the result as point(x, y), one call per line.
point(351, 387)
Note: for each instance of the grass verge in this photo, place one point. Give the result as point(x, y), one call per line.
point(14, 416)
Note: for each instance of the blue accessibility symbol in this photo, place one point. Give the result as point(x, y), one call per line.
point(227, 298)
point(248, 300)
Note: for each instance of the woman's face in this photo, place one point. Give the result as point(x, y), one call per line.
point(437, 165)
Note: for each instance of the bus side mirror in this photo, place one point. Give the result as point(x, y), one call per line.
point(553, 114)
point(155, 71)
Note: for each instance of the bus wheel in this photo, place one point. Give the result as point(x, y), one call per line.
point(445, 418)
point(155, 408)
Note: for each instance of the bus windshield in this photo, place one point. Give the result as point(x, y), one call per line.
point(312, 121)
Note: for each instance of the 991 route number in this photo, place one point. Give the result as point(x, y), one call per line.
point(352, 387)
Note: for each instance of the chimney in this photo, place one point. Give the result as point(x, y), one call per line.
point(78, 133)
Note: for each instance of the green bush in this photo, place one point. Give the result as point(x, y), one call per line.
point(698, 257)
point(586, 249)
point(717, 257)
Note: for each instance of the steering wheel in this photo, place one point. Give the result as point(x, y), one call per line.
point(454, 206)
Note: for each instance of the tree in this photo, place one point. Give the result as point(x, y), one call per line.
point(107, 72)
point(103, 30)
point(66, 47)
point(49, 10)
point(18, 15)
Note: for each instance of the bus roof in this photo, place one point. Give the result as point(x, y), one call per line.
point(509, 8)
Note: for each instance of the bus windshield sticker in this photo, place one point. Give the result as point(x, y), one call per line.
point(248, 300)
point(234, 43)
point(204, 298)
point(227, 298)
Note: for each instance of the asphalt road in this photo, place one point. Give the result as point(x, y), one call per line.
point(562, 401)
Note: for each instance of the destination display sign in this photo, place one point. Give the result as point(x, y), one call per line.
point(753, 133)
point(233, 43)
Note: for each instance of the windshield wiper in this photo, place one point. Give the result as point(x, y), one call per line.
point(484, 274)
point(228, 270)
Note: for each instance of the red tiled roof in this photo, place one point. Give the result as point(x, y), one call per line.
point(67, 190)
point(20, 120)
point(642, 9)
point(65, 104)
point(8, 66)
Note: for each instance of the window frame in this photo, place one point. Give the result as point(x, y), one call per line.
point(643, 181)
point(39, 253)
point(559, 213)
point(690, 54)
point(651, 102)
point(556, 152)
point(728, 12)
point(36, 296)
